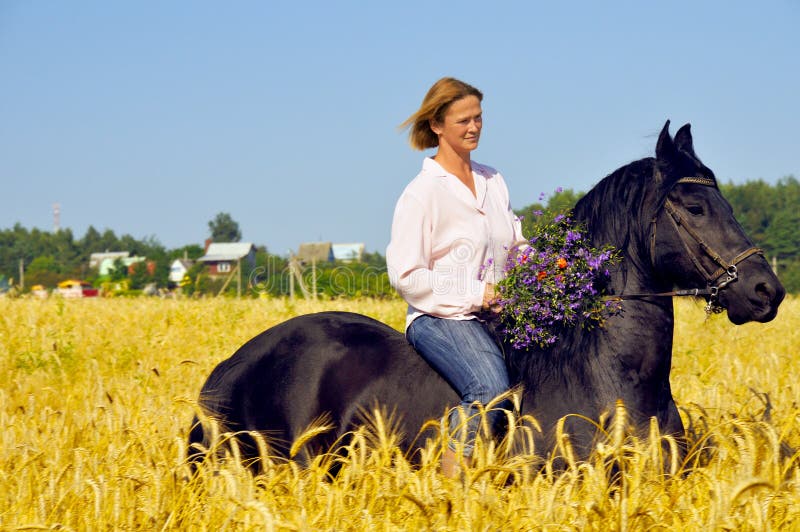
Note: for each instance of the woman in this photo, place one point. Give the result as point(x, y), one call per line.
point(450, 222)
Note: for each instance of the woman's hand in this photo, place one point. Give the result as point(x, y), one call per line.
point(490, 299)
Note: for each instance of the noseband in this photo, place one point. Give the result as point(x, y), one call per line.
point(715, 281)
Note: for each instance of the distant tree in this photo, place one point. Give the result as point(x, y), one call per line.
point(224, 229)
point(119, 271)
point(138, 275)
point(190, 251)
point(44, 270)
point(108, 242)
point(374, 259)
point(91, 240)
point(559, 203)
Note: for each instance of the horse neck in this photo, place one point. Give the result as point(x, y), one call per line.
point(643, 331)
point(619, 212)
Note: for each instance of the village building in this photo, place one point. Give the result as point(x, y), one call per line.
point(320, 252)
point(96, 259)
point(315, 252)
point(221, 258)
point(348, 252)
point(178, 270)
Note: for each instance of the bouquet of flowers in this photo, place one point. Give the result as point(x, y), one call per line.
point(553, 282)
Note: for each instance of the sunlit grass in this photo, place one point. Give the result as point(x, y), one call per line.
point(97, 397)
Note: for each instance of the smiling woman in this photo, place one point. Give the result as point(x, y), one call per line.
point(450, 220)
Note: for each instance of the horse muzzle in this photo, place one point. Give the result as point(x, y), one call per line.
point(755, 296)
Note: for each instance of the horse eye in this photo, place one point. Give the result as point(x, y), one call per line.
point(695, 210)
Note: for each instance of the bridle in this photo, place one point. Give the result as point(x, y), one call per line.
point(717, 280)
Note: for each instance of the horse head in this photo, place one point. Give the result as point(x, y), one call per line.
point(696, 243)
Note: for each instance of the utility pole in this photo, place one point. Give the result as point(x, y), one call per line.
point(22, 274)
point(296, 273)
point(314, 278)
point(291, 278)
point(239, 279)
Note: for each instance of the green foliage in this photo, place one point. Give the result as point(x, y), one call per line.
point(189, 251)
point(535, 215)
point(118, 272)
point(369, 278)
point(770, 215)
point(140, 275)
point(224, 229)
point(44, 270)
point(350, 280)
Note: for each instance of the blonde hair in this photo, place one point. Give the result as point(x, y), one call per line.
point(433, 109)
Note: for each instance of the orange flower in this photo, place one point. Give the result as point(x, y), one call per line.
point(562, 263)
point(541, 275)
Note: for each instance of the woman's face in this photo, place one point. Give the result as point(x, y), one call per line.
point(461, 128)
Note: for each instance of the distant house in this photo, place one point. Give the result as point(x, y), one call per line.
point(315, 252)
point(95, 259)
point(221, 257)
point(108, 264)
point(348, 252)
point(178, 269)
point(327, 252)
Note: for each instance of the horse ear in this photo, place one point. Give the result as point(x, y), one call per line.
point(665, 148)
point(683, 140)
point(667, 156)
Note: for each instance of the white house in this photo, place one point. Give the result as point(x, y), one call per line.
point(95, 259)
point(178, 269)
point(348, 252)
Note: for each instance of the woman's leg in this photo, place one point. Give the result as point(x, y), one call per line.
point(464, 354)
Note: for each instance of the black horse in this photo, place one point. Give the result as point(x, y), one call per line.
point(677, 235)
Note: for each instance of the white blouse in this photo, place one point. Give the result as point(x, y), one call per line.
point(447, 244)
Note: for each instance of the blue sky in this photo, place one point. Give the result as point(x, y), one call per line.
point(149, 118)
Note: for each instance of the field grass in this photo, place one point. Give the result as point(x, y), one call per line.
point(97, 397)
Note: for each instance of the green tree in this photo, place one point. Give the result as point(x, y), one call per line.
point(44, 270)
point(782, 237)
point(140, 275)
point(224, 229)
point(559, 203)
point(119, 272)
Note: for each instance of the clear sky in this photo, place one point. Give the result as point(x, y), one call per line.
point(149, 118)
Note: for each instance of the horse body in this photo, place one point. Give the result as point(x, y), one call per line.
point(335, 365)
point(327, 366)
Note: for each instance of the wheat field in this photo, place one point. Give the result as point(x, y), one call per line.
point(97, 398)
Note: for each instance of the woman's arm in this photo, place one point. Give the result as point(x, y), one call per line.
point(439, 292)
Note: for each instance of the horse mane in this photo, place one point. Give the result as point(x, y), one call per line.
point(616, 211)
point(612, 211)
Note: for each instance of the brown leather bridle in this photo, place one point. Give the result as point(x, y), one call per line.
point(716, 280)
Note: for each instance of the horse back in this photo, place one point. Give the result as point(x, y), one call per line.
point(328, 365)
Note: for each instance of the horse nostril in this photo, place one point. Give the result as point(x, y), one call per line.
point(765, 292)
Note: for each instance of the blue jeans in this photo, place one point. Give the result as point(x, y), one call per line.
point(465, 354)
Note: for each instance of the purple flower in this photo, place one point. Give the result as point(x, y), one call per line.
point(540, 293)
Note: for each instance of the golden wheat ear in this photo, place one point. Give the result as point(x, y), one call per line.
point(321, 425)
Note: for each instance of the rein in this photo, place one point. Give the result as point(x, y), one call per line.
point(715, 281)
